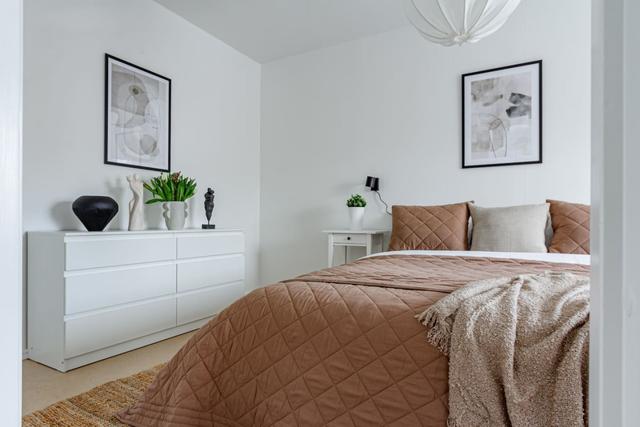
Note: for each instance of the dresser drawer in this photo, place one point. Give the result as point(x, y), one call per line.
point(91, 252)
point(92, 290)
point(209, 244)
point(207, 302)
point(200, 273)
point(356, 239)
point(96, 331)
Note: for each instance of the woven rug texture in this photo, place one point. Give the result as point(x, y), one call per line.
point(96, 407)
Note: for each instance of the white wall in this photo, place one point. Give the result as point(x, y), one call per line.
point(215, 112)
point(10, 210)
point(389, 105)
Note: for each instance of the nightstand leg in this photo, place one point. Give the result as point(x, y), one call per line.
point(369, 244)
point(330, 262)
point(346, 254)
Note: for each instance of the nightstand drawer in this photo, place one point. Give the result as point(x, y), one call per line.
point(356, 239)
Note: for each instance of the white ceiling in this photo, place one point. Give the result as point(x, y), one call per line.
point(270, 29)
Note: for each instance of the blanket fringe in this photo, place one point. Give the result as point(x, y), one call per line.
point(439, 330)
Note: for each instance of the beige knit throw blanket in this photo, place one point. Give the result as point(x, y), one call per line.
point(518, 350)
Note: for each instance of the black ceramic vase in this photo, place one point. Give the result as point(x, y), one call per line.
point(95, 212)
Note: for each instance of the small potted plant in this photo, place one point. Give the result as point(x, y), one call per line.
point(172, 190)
point(356, 204)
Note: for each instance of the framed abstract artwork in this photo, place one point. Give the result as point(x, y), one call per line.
point(502, 116)
point(137, 116)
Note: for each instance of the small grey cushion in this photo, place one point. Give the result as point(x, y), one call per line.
point(509, 229)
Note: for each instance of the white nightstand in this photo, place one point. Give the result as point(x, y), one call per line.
point(371, 240)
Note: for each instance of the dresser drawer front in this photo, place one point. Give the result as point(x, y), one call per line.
point(93, 290)
point(202, 273)
point(193, 246)
point(207, 302)
point(96, 331)
point(92, 252)
point(356, 239)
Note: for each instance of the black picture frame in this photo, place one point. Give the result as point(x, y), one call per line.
point(107, 87)
point(464, 78)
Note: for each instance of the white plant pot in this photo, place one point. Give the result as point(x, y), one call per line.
point(356, 218)
point(175, 214)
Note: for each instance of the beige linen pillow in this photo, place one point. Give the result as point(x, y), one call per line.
point(509, 229)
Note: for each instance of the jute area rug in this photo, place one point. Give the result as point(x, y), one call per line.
point(96, 407)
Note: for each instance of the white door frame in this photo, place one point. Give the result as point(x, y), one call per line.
point(11, 211)
point(614, 378)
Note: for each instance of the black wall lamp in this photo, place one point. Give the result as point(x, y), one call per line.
point(373, 184)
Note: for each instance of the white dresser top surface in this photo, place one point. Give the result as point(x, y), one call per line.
point(127, 232)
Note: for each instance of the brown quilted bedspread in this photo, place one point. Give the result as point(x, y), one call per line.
point(338, 347)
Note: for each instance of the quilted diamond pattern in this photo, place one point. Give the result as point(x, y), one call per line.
point(570, 222)
point(430, 227)
point(334, 347)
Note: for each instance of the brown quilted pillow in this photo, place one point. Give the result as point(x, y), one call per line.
point(430, 227)
point(570, 222)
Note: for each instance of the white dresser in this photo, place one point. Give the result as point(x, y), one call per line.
point(94, 295)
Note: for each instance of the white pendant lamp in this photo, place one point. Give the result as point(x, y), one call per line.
point(449, 22)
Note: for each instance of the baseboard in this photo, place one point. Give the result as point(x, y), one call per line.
point(25, 354)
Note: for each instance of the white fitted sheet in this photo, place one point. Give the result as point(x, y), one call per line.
point(549, 257)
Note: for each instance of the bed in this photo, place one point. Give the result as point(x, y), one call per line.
point(338, 347)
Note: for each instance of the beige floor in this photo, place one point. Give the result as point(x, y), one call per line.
point(42, 386)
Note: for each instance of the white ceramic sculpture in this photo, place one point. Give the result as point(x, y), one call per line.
point(175, 214)
point(136, 205)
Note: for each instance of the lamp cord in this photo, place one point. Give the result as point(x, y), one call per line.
point(386, 207)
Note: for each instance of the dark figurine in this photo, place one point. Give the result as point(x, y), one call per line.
point(208, 209)
point(95, 212)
